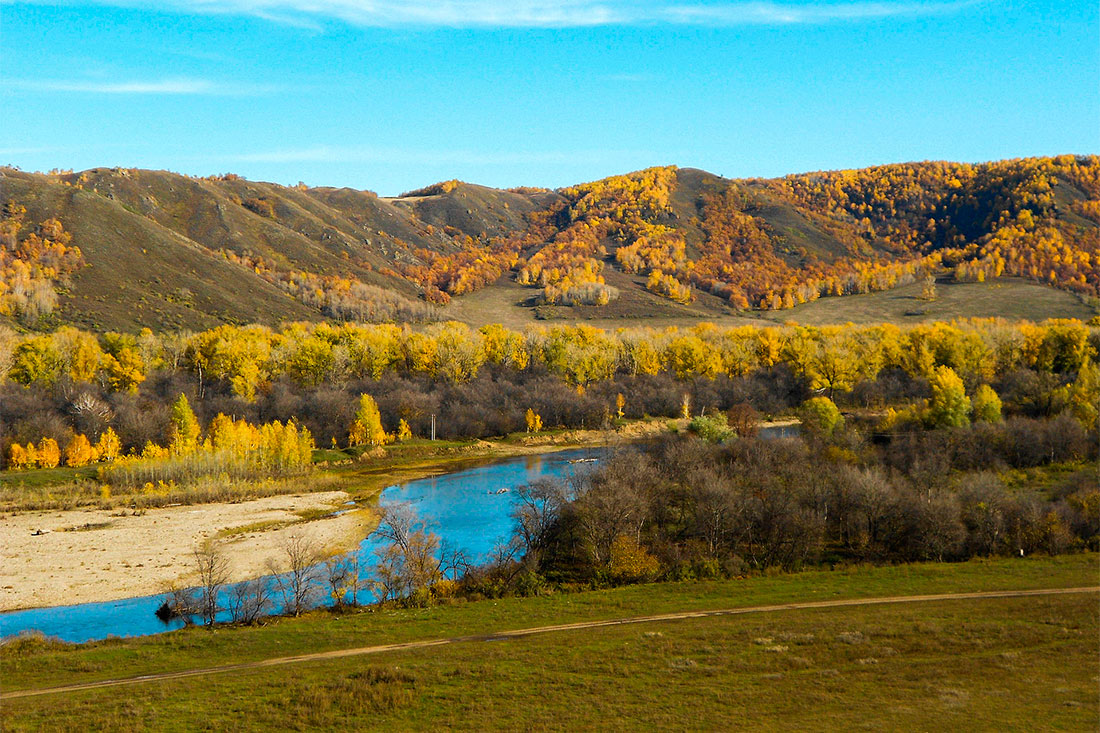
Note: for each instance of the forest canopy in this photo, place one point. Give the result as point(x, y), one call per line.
point(483, 382)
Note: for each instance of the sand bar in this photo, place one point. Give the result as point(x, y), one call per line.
point(93, 555)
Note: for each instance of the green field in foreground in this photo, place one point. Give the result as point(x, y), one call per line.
point(994, 663)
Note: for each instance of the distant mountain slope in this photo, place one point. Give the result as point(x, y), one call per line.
point(139, 273)
point(124, 248)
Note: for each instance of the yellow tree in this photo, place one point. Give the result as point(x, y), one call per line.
point(108, 446)
point(79, 352)
point(17, 457)
point(419, 350)
point(373, 350)
point(404, 432)
point(987, 405)
point(36, 361)
point(239, 355)
point(1084, 393)
point(125, 370)
point(309, 360)
point(638, 353)
point(690, 356)
point(821, 416)
point(367, 429)
point(31, 452)
point(79, 451)
point(458, 352)
point(949, 406)
point(504, 347)
point(534, 421)
point(49, 454)
point(183, 430)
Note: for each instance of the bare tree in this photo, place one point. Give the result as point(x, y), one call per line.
point(249, 600)
point(453, 561)
point(90, 414)
point(743, 420)
point(613, 506)
point(411, 561)
point(179, 602)
point(213, 570)
point(297, 578)
point(398, 523)
point(537, 513)
point(343, 579)
point(717, 514)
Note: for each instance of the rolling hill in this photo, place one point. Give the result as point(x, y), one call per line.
point(124, 249)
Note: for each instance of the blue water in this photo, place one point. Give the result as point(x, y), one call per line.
point(459, 507)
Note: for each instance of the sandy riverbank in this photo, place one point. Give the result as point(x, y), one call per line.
point(117, 554)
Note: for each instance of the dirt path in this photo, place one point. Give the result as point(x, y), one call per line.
point(518, 633)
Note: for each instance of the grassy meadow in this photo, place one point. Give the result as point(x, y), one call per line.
point(1011, 298)
point(993, 663)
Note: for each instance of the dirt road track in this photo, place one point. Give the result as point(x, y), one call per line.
point(517, 633)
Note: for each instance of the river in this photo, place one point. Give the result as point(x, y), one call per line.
point(463, 508)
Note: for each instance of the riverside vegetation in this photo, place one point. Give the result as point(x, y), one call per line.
point(148, 412)
point(961, 440)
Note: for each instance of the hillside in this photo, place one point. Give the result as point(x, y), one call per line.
point(124, 248)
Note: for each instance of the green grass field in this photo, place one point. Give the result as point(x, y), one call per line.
point(982, 663)
point(1010, 298)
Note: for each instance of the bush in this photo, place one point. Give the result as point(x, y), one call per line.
point(820, 416)
point(713, 428)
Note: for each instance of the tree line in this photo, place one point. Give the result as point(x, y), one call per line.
point(482, 382)
point(687, 507)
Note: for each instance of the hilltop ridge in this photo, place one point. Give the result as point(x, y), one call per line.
point(128, 248)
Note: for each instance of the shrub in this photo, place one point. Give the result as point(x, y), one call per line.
point(820, 416)
point(986, 405)
point(713, 428)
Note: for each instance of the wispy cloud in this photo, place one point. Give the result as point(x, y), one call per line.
point(551, 13)
point(767, 13)
point(182, 86)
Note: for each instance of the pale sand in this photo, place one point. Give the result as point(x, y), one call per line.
point(139, 555)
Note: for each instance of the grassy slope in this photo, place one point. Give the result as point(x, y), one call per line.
point(140, 273)
point(929, 665)
point(475, 210)
point(1010, 298)
point(1006, 298)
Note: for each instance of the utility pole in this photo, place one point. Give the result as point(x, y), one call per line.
point(433, 426)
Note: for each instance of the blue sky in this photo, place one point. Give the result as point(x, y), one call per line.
point(391, 95)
